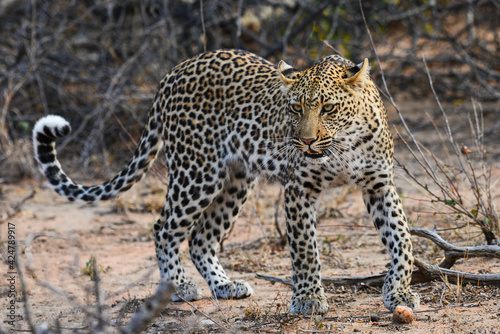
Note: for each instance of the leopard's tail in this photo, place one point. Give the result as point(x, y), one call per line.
point(48, 128)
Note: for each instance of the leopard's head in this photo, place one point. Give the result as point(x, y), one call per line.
point(322, 101)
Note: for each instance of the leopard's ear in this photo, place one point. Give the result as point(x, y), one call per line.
point(358, 73)
point(287, 73)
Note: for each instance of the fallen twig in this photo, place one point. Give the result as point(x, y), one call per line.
point(275, 279)
point(371, 280)
point(455, 277)
point(31, 237)
point(452, 252)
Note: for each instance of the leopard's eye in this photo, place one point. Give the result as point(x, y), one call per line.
point(328, 108)
point(296, 108)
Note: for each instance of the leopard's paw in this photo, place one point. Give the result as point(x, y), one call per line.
point(187, 291)
point(402, 298)
point(307, 304)
point(233, 290)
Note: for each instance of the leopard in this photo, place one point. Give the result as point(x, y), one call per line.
point(229, 119)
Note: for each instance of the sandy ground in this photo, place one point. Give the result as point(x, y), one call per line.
point(58, 238)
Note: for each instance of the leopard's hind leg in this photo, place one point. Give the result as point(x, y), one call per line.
point(215, 223)
point(184, 206)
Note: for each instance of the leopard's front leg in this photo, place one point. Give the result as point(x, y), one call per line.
point(308, 293)
point(386, 210)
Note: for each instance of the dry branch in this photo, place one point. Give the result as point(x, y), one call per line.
point(151, 308)
point(433, 272)
point(371, 280)
point(452, 252)
point(31, 238)
point(425, 272)
point(275, 279)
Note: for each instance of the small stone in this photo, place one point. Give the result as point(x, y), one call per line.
point(207, 322)
point(403, 315)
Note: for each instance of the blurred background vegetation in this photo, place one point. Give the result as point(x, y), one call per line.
point(98, 63)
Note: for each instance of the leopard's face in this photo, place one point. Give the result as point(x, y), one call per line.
point(322, 102)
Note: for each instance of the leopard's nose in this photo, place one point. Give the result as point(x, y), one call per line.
point(308, 141)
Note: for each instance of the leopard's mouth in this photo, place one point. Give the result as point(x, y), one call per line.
point(314, 154)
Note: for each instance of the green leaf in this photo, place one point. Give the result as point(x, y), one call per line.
point(487, 221)
point(24, 127)
point(450, 202)
point(318, 321)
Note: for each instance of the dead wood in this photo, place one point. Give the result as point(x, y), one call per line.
point(452, 253)
point(425, 272)
point(372, 280)
point(433, 272)
point(275, 279)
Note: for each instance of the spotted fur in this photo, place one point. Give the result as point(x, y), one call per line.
point(228, 118)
